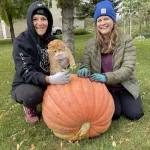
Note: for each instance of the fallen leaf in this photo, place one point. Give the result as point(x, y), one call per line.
point(128, 131)
point(61, 144)
point(23, 131)
point(127, 140)
point(1, 115)
point(124, 140)
point(12, 139)
point(18, 146)
point(131, 123)
point(114, 144)
point(32, 147)
point(70, 141)
point(77, 142)
point(111, 137)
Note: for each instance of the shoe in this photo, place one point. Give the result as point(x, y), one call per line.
point(31, 115)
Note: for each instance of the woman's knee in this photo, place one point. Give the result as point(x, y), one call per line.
point(134, 115)
point(132, 108)
point(28, 95)
point(35, 97)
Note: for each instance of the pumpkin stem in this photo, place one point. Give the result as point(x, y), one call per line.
point(84, 129)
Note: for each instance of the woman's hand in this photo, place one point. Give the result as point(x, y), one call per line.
point(83, 73)
point(98, 77)
point(59, 78)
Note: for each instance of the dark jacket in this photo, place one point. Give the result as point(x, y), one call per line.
point(124, 61)
point(29, 52)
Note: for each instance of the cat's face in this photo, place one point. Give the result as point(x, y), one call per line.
point(57, 49)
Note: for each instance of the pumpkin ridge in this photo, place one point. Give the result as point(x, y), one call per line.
point(100, 129)
point(85, 104)
point(107, 112)
point(99, 102)
point(73, 113)
point(95, 102)
point(61, 111)
point(89, 99)
point(78, 99)
point(54, 123)
point(93, 132)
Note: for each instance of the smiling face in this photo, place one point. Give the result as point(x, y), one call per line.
point(40, 23)
point(105, 25)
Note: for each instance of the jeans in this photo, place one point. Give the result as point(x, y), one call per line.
point(126, 105)
point(28, 95)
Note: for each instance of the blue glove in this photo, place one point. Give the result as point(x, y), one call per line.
point(83, 73)
point(98, 77)
point(60, 78)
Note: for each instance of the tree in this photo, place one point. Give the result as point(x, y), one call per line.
point(10, 10)
point(67, 23)
point(135, 9)
point(67, 7)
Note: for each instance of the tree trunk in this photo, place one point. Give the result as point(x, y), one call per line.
point(140, 25)
point(12, 33)
point(67, 23)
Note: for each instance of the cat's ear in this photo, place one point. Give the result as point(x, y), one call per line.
point(66, 48)
point(62, 45)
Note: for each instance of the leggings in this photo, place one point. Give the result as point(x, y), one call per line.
point(126, 105)
point(28, 95)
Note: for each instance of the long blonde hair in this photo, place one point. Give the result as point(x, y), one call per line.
point(107, 47)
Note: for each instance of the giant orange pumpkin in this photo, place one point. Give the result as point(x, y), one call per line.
point(77, 110)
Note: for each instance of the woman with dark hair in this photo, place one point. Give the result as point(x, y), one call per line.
point(31, 61)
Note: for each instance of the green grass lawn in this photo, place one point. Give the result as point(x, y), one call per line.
point(123, 134)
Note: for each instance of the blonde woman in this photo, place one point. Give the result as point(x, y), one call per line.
point(110, 58)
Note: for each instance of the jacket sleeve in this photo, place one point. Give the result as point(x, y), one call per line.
point(87, 55)
point(23, 56)
point(86, 59)
point(127, 66)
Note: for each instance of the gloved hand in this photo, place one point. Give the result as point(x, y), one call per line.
point(64, 63)
point(98, 77)
point(60, 78)
point(83, 73)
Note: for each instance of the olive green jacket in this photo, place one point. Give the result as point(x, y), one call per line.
point(124, 60)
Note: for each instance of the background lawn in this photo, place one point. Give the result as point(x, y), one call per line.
point(16, 133)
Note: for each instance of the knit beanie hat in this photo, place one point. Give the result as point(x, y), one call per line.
point(105, 8)
point(41, 12)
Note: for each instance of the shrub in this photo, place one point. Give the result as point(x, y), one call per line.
point(146, 35)
point(80, 31)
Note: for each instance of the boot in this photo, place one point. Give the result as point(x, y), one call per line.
point(31, 115)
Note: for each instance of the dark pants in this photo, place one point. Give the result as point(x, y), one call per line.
point(28, 95)
point(126, 105)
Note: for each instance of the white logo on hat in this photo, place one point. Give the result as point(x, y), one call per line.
point(39, 5)
point(103, 11)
